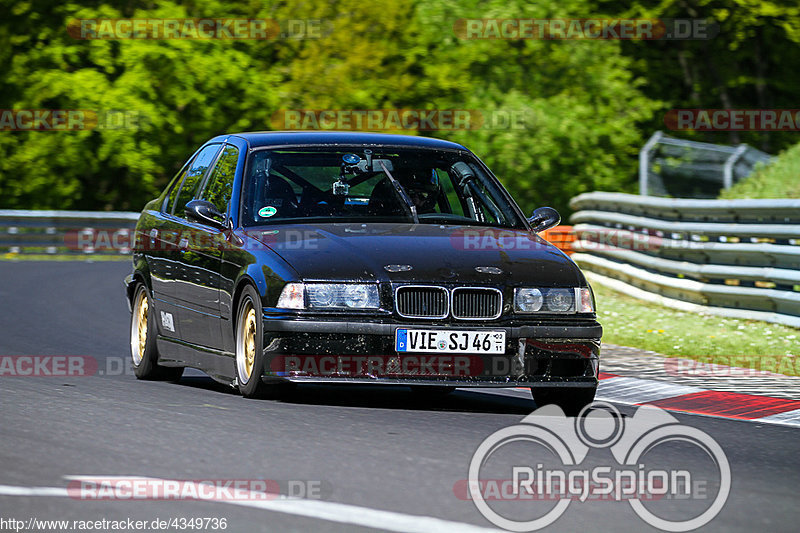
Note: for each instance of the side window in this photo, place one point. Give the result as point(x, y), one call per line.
point(220, 183)
point(194, 176)
point(173, 187)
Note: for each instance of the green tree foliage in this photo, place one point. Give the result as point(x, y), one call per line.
point(579, 104)
point(779, 179)
point(753, 62)
point(182, 91)
point(582, 109)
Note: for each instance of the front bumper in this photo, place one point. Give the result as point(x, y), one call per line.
point(557, 354)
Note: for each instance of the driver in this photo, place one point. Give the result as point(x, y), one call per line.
point(422, 187)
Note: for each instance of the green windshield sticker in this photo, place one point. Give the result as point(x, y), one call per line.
point(267, 212)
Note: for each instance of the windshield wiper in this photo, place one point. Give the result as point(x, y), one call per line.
point(401, 192)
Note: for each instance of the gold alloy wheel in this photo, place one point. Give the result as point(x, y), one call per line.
point(250, 340)
point(246, 343)
point(140, 328)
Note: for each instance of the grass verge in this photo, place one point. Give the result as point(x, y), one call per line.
point(776, 180)
point(729, 341)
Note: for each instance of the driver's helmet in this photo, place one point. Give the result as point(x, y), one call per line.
point(422, 186)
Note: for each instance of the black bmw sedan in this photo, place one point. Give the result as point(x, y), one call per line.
point(289, 257)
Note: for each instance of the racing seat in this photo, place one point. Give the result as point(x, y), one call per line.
point(383, 200)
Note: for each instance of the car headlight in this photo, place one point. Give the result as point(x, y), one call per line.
point(361, 296)
point(329, 296)
point(528, 300)
point(560, 300)
point(554, 300)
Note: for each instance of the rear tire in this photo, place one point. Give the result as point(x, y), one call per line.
point(571, 400)
point(144, 352)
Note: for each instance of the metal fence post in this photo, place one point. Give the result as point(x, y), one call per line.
point(728, 169)
point(644, 161)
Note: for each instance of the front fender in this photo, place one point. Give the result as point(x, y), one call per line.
point(140, 274)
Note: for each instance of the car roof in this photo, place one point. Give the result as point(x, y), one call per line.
point(284, 138)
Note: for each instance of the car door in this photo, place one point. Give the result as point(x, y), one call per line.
point(169, 277)
point(200, 257)
point(157, 244)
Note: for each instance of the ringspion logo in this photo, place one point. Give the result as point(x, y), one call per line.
point(645, 470)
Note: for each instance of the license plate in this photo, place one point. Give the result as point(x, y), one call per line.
point(450, 341)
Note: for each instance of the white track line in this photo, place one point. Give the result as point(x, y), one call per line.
point(11, 490)
point(321, 510)
point(787, 418)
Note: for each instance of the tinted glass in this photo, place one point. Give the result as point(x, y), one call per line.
point(194, 177)
point(220, 183)
point(444, 187)
point(174, 186)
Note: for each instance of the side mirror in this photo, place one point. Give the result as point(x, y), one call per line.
point(544, 218)
point(204, 212)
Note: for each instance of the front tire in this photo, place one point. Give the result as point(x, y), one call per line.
point(250, 349)
point(144, 352)
point(571, 400)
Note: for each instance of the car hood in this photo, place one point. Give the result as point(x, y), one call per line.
point(419, 253)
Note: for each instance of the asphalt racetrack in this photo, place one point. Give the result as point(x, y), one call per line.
point(361, 459)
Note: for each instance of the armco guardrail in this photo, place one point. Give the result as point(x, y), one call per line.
point(108, 233)
point(728, 257)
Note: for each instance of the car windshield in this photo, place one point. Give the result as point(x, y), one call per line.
point(373, 185)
